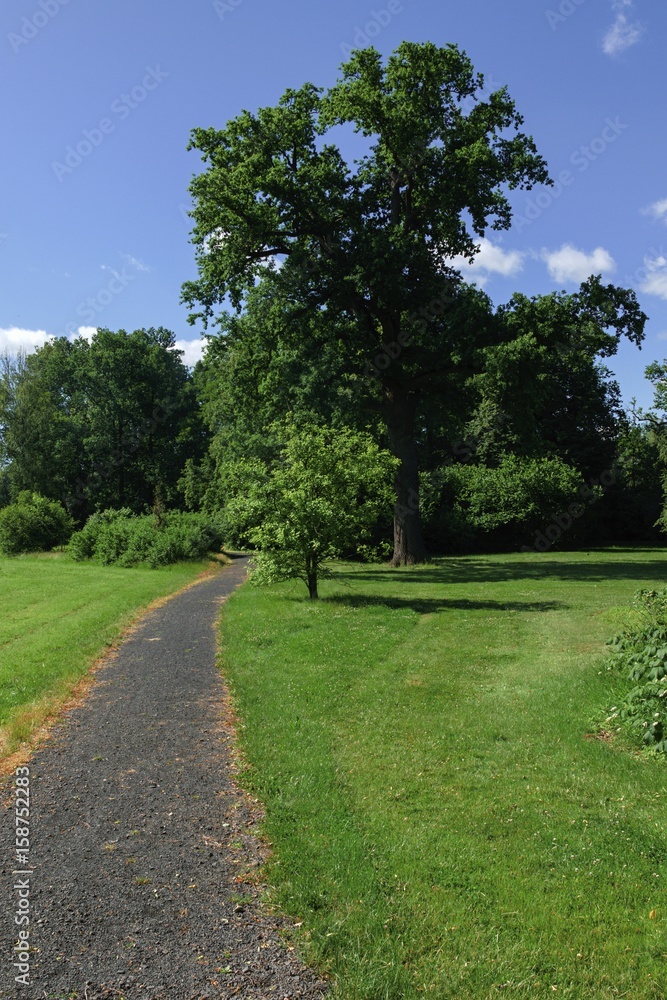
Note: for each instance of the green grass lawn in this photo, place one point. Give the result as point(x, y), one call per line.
point(57, 617)
point(441, 824)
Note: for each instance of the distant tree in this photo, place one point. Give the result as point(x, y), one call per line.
point(321, 498)
point(656, 425)
point(633, 504)
point(10, 366)
point(518, 503)
point(141, 418)
point(101, 424)
point(39, 441)
point(371, 242)
point(544, 389)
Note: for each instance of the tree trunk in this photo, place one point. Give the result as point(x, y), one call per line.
point(121, 466)
point(311, 577)
point(408, 538)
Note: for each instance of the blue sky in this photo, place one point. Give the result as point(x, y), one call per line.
point(99, 237)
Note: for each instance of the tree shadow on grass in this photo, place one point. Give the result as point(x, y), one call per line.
point(432, 605)
point(480, 570)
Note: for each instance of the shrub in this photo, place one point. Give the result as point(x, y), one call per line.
point(33, 524)
point(118, 537)
point(467, 506)
point(639, 654)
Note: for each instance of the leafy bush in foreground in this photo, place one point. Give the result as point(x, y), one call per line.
point(640, 653)
point(119, 537)
point(33, 524)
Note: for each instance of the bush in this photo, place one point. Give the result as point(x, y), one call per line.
point(33, 524)
point(118, 537)
point(639, 654)
point(475, 506)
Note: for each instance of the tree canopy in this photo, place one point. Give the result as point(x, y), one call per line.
point(372, 240)
point(321, 499)
point(103, 423)
point(349, 313)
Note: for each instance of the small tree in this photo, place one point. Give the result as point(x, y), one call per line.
point(323, 497)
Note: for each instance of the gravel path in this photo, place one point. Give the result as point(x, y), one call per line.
point(142, 847)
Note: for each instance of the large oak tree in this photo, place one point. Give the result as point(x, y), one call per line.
point(372, 239)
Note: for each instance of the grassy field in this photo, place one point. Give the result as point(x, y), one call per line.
point(57, 618)
point(441, 823)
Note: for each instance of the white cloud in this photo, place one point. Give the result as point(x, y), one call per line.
point(87, 332)
point(571, 265)
point(136, 263)
point(658, 210)
point(192, 350)
point(14, 339)
point(623, 33)
point(215, 240)
point(655, 282)
point(490, 259)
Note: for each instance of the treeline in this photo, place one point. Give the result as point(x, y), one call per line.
point(526, 449)
point(524, 445)
point(103, 424)
point(499, 427)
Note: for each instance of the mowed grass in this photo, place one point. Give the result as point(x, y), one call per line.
point(441, 823)
point(57, 618)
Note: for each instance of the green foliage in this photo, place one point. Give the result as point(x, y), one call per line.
point(274, 362)
point(272, 186)
point(33, 524)
point(100, 424)
point(323, 496)
point(477, 506)
point(656, 373)
point(639, 655)
point(236, 491)
point(5, 487)
point(367, 241)
point(632, 506)
point(543, 389)
point(119, 537)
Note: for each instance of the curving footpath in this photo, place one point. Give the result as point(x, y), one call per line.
point(142, 848)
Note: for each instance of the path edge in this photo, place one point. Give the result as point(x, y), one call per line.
point(80, 690)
